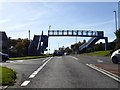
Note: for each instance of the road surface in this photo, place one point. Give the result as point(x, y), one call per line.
point(61, 72)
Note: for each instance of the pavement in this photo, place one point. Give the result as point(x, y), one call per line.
point(64, 72)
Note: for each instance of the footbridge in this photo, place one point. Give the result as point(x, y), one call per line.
point(95, 36)
point(40, 42)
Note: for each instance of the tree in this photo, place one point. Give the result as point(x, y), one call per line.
point(84, 41)
point(117, 33)
point(99, 47)
point(68, 50)
point(18, 47)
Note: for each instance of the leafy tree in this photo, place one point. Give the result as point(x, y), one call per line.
point(117, 33)
point(18, 47)
point(99, 47)
point(68, 50)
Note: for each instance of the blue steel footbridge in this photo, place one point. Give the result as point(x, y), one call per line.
point(36, 46)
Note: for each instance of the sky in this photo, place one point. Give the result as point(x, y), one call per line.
point(16, 18)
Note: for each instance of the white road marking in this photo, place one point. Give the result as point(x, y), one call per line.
point(100, 61)
point(25, 83)
point(113, 76)
point(20, 60)
point(74, 58)
point(10, 61)
point(106, 71)
point(15, 61)
point(44, 60)
point(39, 69)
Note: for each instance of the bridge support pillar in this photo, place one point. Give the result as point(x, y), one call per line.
point(106, 43)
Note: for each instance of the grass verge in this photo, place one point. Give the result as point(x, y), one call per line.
point(29, 57)
point(7, 76)
point(99, 53)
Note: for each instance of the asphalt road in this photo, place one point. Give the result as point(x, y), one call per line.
point(61, 72)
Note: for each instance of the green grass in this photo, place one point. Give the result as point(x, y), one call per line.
point(99, 53)
point(7, 76)
point(29, 57)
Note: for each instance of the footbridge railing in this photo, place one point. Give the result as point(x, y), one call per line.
point(82, 33)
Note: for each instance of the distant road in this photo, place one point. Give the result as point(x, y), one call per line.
point(61, 72)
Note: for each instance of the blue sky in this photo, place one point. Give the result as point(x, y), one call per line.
point(17, 18)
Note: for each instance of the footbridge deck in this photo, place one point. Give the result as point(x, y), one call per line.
point(81, 33)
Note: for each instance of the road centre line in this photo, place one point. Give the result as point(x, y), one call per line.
point(113, 76)
point(25, 83)
point(74, 58)
point(39, 69)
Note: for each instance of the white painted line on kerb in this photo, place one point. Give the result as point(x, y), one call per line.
point(104, 72)
point(74, 58)
point(25, 83)
point(39, 69)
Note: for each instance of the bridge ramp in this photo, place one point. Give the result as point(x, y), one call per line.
point(92, 41)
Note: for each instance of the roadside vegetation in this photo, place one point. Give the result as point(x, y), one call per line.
point(7, 76)
point(29, 57)
point(99, 53)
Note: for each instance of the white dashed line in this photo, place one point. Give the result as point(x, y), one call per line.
point(44, 60)
point(25, 83)
point(100, 61)
point(111, 75)
point(39, 69)
point(74, 58)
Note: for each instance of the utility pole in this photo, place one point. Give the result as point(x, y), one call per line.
point(29, 34)
point(115, 19)
point(49, 45)
point(49, 27)
point(58, 46)
point(76, 37)
point(76, 42)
